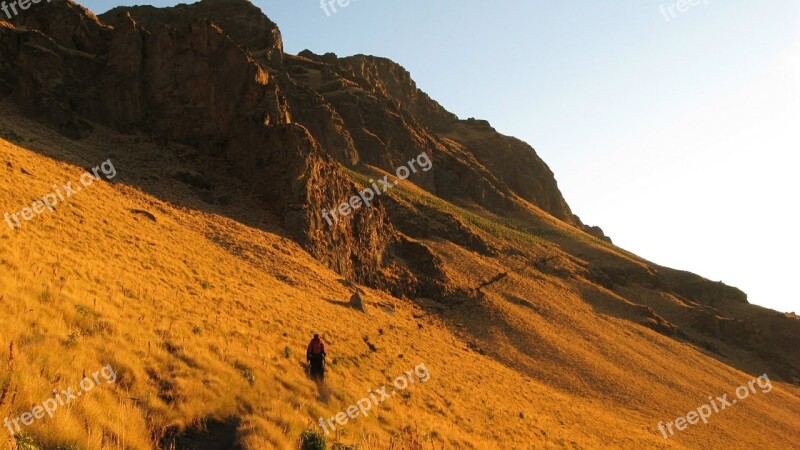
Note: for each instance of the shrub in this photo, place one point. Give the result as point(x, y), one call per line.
point(408, 439)
point(45, 296)
point(25, 443)
point(312, 440)
point(340, 446)
point(82, 310)
point(246, 372)
point(72, 339)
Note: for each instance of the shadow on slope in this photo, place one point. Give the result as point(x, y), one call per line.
point(208, 434)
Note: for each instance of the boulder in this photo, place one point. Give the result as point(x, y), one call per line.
point(357, 302)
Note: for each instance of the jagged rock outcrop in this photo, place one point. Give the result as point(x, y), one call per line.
point(46, 74)
point(290, 171)
point(701, 290)
point(726, 328)
point(515, 163)
point(395, 83)
point(593, 230)
point(151, 68)
point(391, 120)
point(189, 81)
point(67, 23)
point(241, 20)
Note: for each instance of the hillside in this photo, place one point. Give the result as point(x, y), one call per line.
point(199, 270)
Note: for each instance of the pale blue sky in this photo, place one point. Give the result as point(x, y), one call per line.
point(678, 137)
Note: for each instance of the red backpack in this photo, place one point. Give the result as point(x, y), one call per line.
point(316, 346)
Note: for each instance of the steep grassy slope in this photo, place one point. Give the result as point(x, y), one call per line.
point(204, 312)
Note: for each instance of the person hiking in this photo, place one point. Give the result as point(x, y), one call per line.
point(315, 355)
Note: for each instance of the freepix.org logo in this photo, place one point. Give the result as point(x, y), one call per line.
point(59, 195)
point(719, 404)
point(330, 5)
point(365, 404)
point(368, 194)
point(10, 8)
point(63, 398)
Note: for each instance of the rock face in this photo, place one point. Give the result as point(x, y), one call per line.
point(240, 19)
point(68, 24)
point(391, 120)
point(394, 82)
point(213, 75)
point(172, 73)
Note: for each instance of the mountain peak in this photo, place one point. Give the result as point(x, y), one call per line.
point(240, 19)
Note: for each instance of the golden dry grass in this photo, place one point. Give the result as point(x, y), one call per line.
point(189, 307)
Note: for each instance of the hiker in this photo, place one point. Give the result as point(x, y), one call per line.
point(315, 355)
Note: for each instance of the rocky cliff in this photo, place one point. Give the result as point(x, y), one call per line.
point(213, 75)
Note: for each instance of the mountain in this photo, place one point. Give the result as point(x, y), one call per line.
point(237, 224)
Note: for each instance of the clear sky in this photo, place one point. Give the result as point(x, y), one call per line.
point(676, 132)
